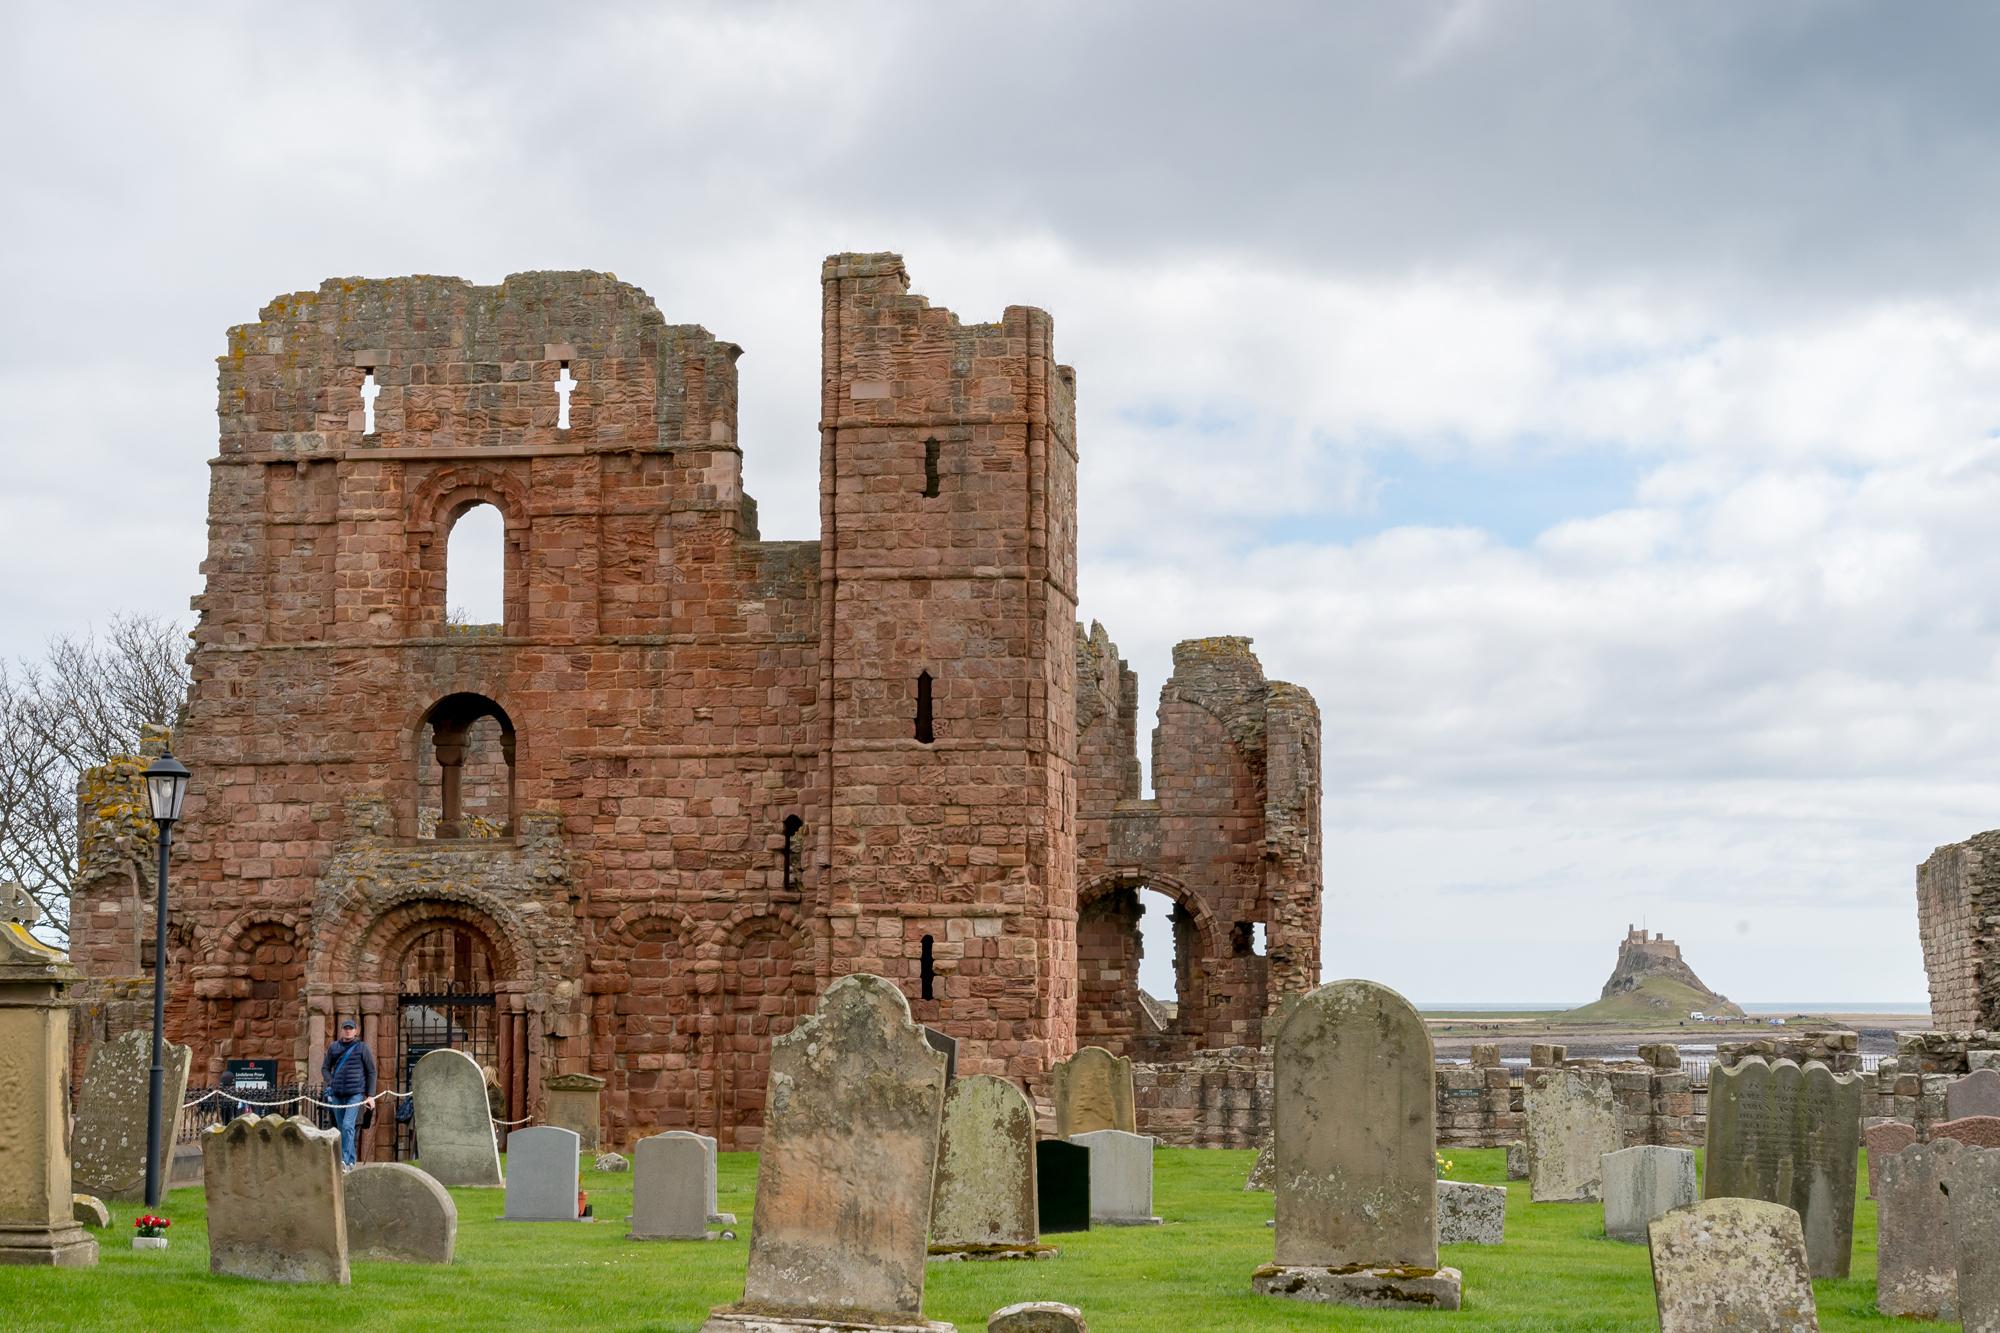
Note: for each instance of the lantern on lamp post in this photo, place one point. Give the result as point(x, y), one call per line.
point(166, 788)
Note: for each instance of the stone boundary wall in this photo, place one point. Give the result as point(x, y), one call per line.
point(1910, 1087)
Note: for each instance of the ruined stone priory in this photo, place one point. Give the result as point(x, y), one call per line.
point(689, 777)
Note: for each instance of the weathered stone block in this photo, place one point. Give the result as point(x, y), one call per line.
point(1471, 1214)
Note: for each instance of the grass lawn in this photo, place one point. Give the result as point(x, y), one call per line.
point(1555, 1272)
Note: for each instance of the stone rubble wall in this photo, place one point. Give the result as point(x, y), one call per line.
point(1958, 919)
point(1911, 1086)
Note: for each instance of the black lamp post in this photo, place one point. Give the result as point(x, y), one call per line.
point(166, 788)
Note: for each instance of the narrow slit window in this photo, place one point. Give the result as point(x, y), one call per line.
point(924, 732)
point(370, 390)
point(564, 384)
point(792, 826)
point(930, 468)
point(928, 972)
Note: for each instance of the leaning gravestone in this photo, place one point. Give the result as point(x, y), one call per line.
point(542, 1174)
point(1974, 1131)
point(1978, 1093)
point(844, 1175)
point(1571, 1124)
point(1792, 1136)
point(1093, 1090)
point(398, 1214)
point(1643, 1183)
point(108, 1144)
point(454, 1123)
point(1884, 1139)
point(1916, 1267)
point(1062, 1186)
point(1355, 1132)
point(1732, 1263)
point(1121, 1177)
point(983, 1202)
point(275, 1206)
point(1974, 1211)
point(673, 1182)
point(1259, 1178)
point(1471, 1214)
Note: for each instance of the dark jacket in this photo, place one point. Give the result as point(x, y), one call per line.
point(357, 1080)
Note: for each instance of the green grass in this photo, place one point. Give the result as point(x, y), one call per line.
point(1556, 1272)
point(1656, 1000)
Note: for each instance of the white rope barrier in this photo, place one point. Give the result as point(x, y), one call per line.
point(226, 1094)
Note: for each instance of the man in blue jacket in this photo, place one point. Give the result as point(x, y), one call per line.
point(347, 1075)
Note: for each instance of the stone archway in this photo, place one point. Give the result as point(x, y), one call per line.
point(1110, 1009)
point(766, 983)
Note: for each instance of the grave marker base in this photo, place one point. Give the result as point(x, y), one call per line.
point(59, 1247)
point(952, 1254)
point(1391, 1288)
point(755, 1321)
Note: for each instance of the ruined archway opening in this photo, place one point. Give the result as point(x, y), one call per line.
point(475, 568)
point(444, 1001)
point(465, 769)
point(1167, 949)
point(1140, 984)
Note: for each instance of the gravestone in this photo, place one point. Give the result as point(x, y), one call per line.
point(983, 1201)
point(1354, 1128)
point(573, 1102)
point(1732, 1263)
point(1641, 1184)
point(88, 1210)
point(1916, 1266)
point(1570, 1124)
point(1038, 1317)
point(109, 1140)
point(454, 1126)
point(947, 1046)
point(398, 1214)
point(1517, 1160)
point(1093, 1090)
point(276, 1211)
point(1978, 1093)
point(1260, 1171)
point(844, 1174)
point(612, 1163)
point(1883, 1139)
point(1471, 1214)
point(542, 1174)
point(1974, 1210)
point(673, 1183)
point(1974, 1131)
point(1062, 1186)
point(1121, 1177)
point(39, 1210)
point(1792, 1136)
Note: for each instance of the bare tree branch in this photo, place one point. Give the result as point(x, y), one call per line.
point(82, 703)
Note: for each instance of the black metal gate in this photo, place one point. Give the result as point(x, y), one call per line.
point(439, 1021)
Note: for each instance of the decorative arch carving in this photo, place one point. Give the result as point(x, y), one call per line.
point(368, 950)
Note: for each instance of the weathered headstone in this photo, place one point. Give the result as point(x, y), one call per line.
point(38, 1208)
point(573, 1101)
point(1883, 1139)
point(672, 1182)
point(1471, 1214)
point(542, 1174)
point(983, 1202)
point(1732, 1264)
point(1974, 1131)
point(1642, 1183)
point(844, 1174)
point(946, 1045)
point(1974, 1210)
point(1260, 1171)
point(1916, 1268)
point(1570, 1123)
point(1517, 1160)
point(1121, 1177)
point(615, 1163)
point(1355, 1132)
point(89, 1211)
point(276, 1211)
point(1792, 1136)
point(455, 1143)
point(1978, 1093)
point(1062, 1186)
point(110, 1136)
point(1038, 1317)
point(1093, 1090)
point(398, 1214)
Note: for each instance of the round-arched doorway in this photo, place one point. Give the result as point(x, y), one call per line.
point(444, 999)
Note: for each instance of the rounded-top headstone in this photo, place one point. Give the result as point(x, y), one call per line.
point(1038, 1317)
point(1732, 1263)
point(397, 1213)
point(1093, 1090)
point(454, 1122)
point(985, 1189)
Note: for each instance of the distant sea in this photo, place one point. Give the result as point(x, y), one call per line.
point(1748, 1007)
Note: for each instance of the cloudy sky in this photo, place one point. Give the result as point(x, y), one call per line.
point(1594, 406)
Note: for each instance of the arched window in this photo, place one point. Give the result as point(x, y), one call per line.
point(465, 776)
point(475, 568)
